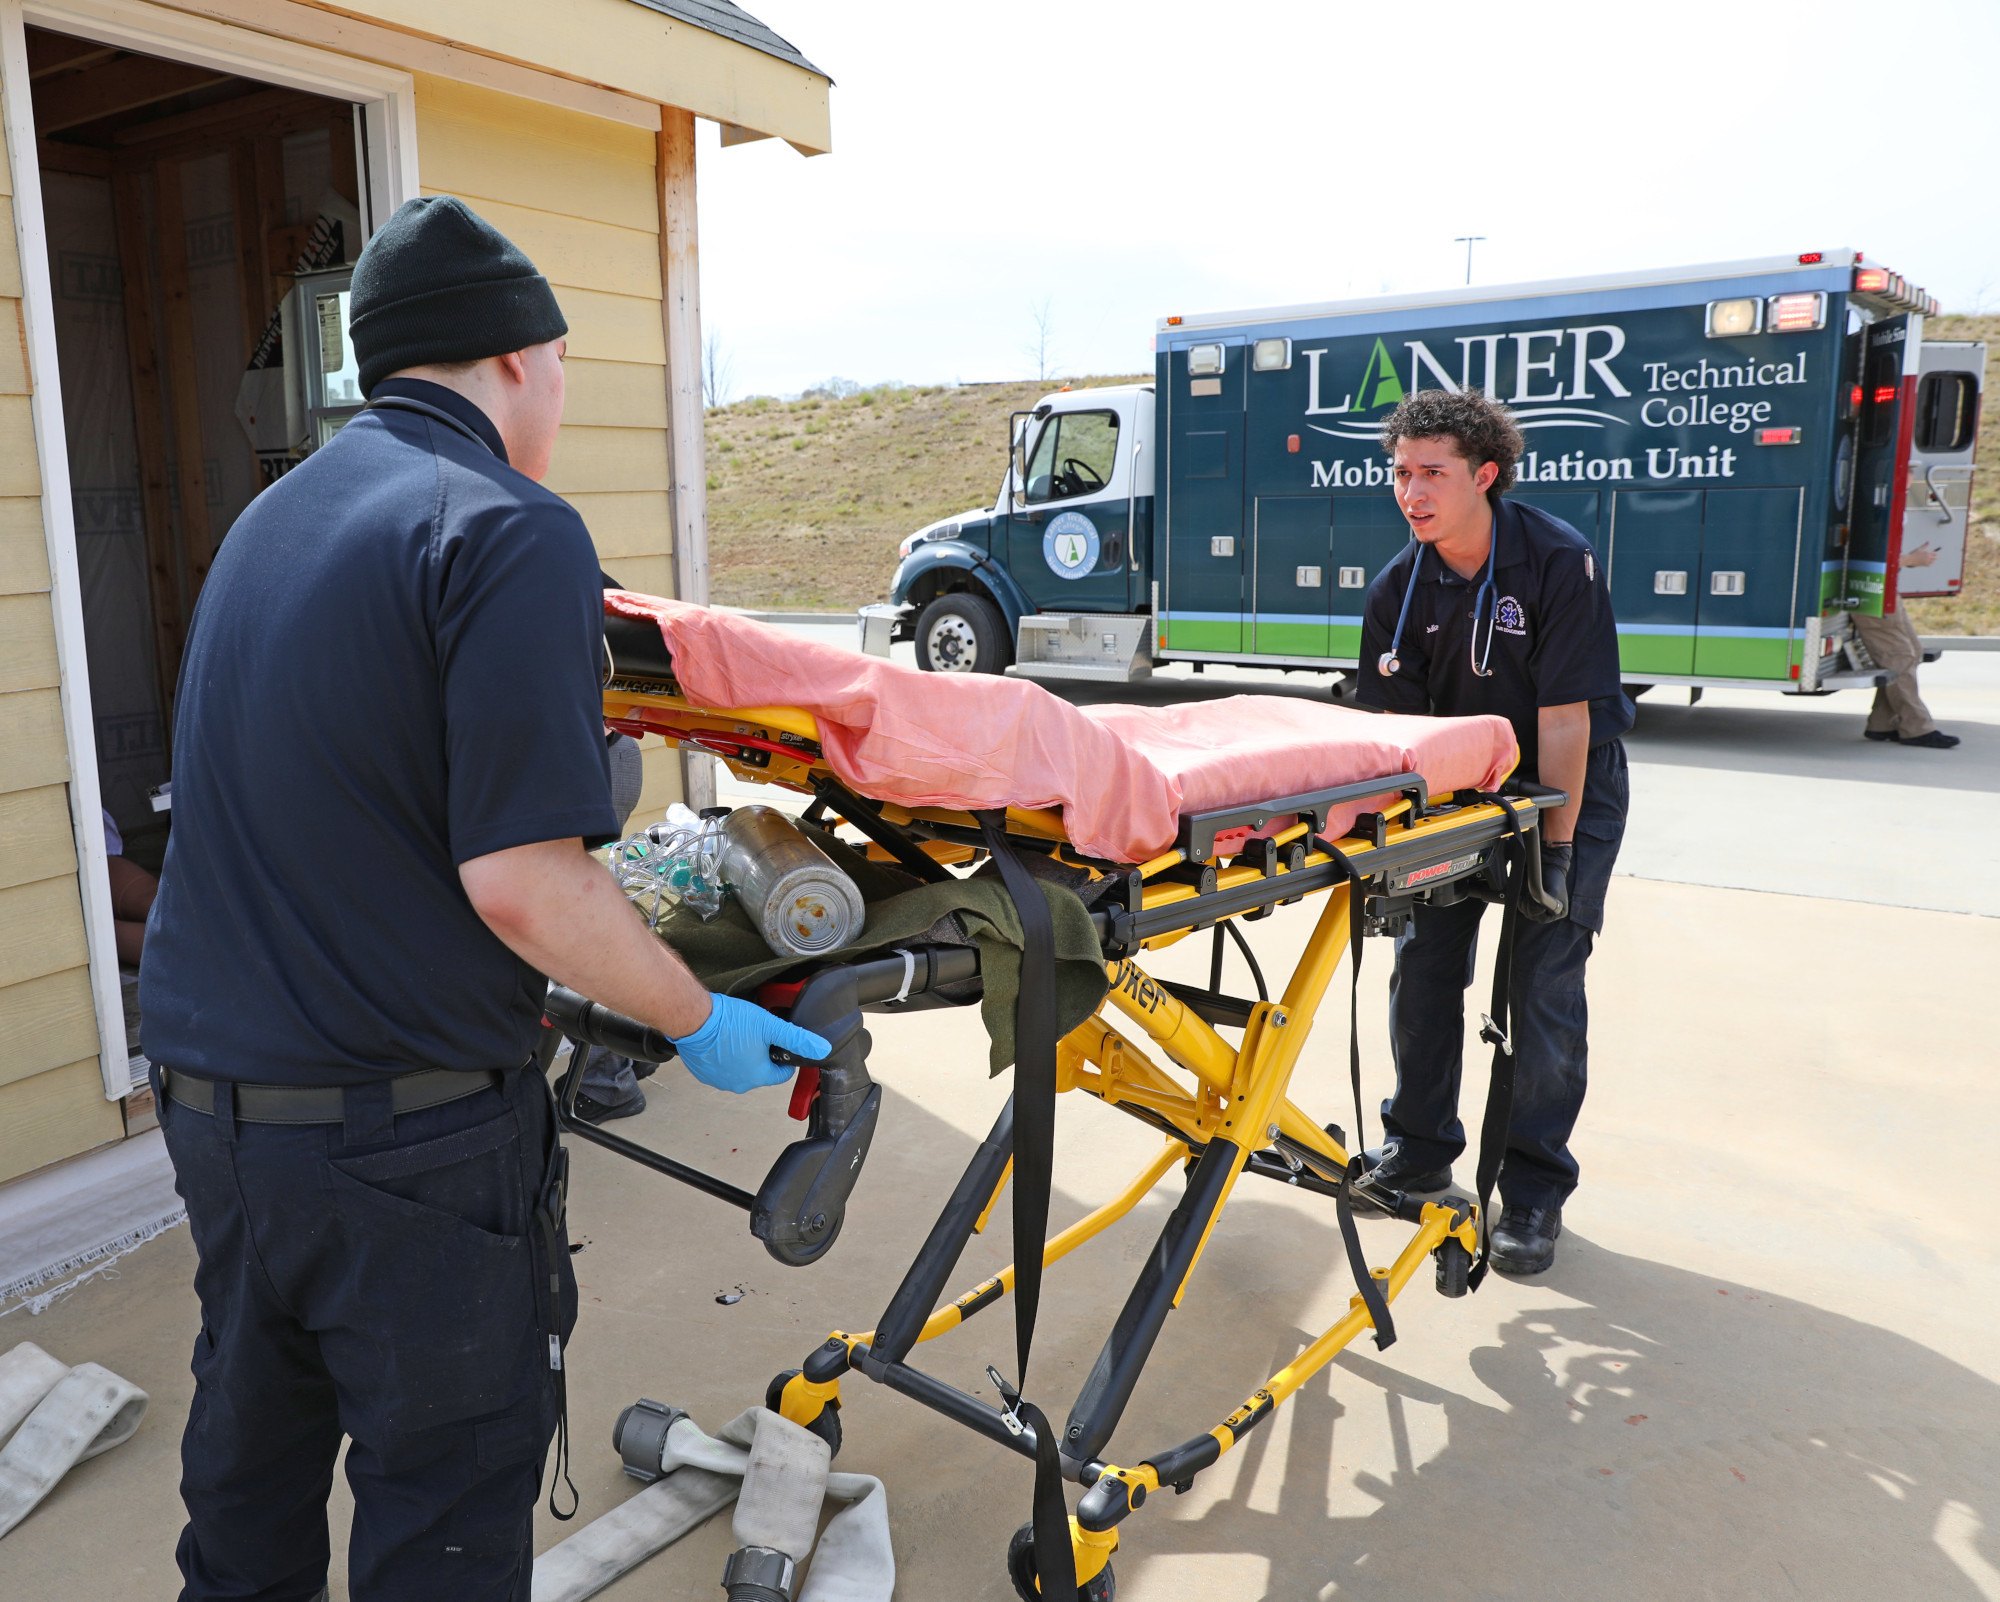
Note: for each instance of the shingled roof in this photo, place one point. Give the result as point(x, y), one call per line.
point(731, 22)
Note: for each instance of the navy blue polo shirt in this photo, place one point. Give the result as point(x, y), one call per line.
point(1553, 638)
point(394, 668)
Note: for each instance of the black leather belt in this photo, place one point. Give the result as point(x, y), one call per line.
point(327, 1104)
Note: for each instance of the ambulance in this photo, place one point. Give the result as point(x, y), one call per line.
point(1757, 450)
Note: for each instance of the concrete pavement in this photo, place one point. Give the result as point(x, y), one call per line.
point(1763, 1365)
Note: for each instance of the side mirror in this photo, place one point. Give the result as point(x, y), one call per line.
point(1019, 479)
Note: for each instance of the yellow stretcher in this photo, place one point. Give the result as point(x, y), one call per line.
point(1221, 1100)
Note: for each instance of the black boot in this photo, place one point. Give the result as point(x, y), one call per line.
point(1524, 1241)
point(1388, 1170)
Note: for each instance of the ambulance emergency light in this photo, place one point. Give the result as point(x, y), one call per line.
point(1271, 355)
point(1727, 318)
point(1796, 313)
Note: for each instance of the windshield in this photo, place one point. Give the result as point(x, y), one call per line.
point(1074, 455)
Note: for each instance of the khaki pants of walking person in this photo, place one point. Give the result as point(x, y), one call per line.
point(1892, 641)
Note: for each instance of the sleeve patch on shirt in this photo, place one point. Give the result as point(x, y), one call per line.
point(1590, 566)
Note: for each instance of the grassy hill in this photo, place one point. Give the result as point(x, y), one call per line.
point(808, 498)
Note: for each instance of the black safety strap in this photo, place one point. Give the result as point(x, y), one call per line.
point(1493, 1029)
point(551, 1207)
point(1365, 1282)
point(1034, 1173)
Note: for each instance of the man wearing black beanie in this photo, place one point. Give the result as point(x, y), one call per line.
point(388, 761)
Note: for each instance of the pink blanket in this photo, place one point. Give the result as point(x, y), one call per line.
point(1122, 775)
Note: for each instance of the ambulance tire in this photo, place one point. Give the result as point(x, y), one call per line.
point(962, 632)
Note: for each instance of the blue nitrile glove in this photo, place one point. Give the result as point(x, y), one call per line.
point(732, 1051)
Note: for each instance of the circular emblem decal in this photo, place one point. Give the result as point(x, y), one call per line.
point(1509, 618)
point(1070, 545)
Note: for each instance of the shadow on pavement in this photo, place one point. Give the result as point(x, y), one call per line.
point(1786, 739)
point(1649, 1432)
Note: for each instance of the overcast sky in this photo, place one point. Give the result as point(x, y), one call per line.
point(1122, 160)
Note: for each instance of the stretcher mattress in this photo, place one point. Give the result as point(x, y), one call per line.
point(1122, 775)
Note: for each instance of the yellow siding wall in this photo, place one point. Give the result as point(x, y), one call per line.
point(51, 1090)
point(580, 196)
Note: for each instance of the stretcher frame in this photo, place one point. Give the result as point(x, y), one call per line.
point(1223, 1109)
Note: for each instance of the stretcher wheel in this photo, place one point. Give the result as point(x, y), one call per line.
point(1101, 1587)
point(1454, 1268)
point(794, 1255)
point(826, 1426)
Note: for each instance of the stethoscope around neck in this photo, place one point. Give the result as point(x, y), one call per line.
point(1485, 599)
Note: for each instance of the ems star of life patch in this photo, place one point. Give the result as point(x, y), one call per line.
point(1509, 618)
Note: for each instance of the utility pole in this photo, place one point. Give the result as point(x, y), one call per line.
point(1468, 241)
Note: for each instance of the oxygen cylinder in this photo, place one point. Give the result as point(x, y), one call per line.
point(801, 903)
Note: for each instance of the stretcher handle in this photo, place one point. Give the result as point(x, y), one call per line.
point(586, 1020)
point(1546, 798)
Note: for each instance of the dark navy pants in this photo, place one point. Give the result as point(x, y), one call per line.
point(383, 1280)
point(1551, 1019)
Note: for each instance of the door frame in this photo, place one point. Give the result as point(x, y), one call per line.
point(386, 156)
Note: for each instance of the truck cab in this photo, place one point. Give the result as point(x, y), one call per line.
point(1070, 532)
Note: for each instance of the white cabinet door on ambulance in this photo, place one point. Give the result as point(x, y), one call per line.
point(1937, 506)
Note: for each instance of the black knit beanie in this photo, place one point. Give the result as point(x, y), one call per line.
point(439, 283)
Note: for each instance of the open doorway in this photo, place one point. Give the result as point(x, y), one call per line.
point(180, 204)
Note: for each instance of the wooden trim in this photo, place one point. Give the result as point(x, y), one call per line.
point(680, 315)
point(142, 360)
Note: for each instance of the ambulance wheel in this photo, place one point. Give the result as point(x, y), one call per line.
point(826, 1426)
point(1102, 1587)
point(962, 633)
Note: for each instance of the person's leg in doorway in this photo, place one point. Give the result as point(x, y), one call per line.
point(1898, 712)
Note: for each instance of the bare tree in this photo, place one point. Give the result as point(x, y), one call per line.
point(717, 369)
point(1040, 350)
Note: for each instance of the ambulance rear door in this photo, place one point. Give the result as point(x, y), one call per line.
point(1881, 463)
point(1938, 501)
